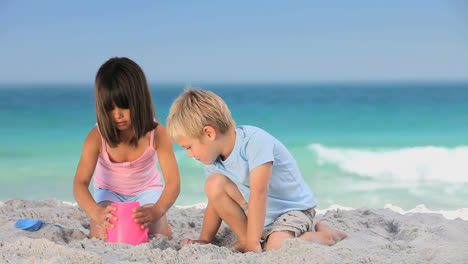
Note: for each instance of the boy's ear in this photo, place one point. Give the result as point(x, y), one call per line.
point(209, 132)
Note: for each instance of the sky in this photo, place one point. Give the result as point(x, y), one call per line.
point(67, 41)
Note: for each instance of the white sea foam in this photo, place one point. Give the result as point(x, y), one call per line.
point(412, 163)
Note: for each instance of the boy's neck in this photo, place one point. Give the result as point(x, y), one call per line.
point(227, 142)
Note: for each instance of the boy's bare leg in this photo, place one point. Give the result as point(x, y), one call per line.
point(337, 235)
point(226, 199)
point(96, 230)
point(160, 227)
point(276, 239)
point(324, 234)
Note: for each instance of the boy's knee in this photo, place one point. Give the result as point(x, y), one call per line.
point(214, 185)
point(276, 239)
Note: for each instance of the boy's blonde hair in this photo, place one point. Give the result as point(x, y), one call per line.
point(193, 110)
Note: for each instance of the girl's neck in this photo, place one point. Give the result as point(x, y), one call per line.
point(126, 135)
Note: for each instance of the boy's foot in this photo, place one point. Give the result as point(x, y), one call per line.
point(322, 237)
point(337, 235)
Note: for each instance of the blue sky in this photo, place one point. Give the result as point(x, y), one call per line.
point(67, 41)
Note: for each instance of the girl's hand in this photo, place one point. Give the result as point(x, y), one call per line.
point(190, 241)
point(146, 215)
point(103, 215)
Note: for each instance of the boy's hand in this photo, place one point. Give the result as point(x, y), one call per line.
point(103, 215)
point(147, 215)
point(190, 241)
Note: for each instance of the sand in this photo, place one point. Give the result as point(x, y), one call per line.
point(386, 235)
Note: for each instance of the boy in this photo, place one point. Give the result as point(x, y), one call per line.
point(253, 183)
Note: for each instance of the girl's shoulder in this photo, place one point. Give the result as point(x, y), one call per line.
point(93, 140)
point(160, 136)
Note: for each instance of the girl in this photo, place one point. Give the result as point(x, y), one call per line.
point(123, 150)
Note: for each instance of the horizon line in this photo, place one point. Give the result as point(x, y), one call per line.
point(56, 82)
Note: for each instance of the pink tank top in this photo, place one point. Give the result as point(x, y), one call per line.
point(128, 178)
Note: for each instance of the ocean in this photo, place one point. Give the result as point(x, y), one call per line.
point(358, 144)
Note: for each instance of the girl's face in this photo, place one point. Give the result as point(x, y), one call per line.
point(120, 118)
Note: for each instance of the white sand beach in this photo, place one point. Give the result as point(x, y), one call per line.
point(387, 235)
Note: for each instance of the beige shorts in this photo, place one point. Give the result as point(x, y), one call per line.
point(297, 222)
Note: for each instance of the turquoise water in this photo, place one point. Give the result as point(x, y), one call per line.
point(358, 144)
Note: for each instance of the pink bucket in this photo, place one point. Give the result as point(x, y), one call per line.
point(125, 229)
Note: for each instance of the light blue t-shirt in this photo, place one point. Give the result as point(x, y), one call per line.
point(287, 190)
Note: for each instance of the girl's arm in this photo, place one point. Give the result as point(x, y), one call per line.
point(170, 172)
point(259, 179)
point(84, 173)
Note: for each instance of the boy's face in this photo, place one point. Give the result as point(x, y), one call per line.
point(203, 150)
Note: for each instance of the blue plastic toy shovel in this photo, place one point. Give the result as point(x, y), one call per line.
point(30, 225)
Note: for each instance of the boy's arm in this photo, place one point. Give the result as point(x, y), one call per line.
point(259, 179)
point(211, 223)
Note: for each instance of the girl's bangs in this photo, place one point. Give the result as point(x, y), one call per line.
point(116, 96)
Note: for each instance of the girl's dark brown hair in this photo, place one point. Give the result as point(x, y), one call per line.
point(122, 82)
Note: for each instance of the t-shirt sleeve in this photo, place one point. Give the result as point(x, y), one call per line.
point(260, 150)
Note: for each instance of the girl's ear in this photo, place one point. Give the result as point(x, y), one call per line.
point(209, 132)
